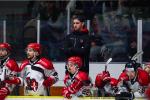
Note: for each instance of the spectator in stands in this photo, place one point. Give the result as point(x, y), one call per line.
point(53, 26)
point(78, 42)
point(95, 52)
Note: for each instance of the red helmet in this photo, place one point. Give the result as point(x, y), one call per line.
point(6, 46)
point(35, 46)
point(76, 60)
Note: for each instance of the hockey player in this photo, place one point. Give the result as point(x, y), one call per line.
point(37, 73)
point(133, 80)
point(147, 91)
point(77, 82)
point(106, 85)
point(8, 69)
point(147, 68)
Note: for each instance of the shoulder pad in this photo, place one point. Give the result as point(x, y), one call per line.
point(143, 77)
point(24, 63)
point(82, 76)
point(123, 76)
point(12, 65)
point(45, 63)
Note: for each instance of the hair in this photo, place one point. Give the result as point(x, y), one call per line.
point(79, 15)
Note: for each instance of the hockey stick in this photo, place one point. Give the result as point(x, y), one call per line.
point(137, 55)
point(108, 61)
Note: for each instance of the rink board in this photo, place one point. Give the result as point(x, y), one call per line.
point(59, 98)
point(94, 69)
point(54, 98)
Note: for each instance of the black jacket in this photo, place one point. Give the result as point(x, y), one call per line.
point(78, 44)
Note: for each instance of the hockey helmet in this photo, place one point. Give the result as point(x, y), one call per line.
point(76, 60)
point(35, 46)
point(132, 66)
point(6, 46)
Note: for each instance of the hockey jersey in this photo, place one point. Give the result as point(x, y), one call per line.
point(8, 68)
point(37, 76)
point(77, 85)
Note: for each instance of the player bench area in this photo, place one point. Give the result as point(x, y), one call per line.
point(95, 68)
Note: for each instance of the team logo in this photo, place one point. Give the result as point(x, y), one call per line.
point(31, 84)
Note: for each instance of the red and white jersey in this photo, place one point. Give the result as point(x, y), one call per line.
point(8, 68)
point(106, 84)
point(35, 74)
point(142, 77)
point(77, 85)
point(138, 84)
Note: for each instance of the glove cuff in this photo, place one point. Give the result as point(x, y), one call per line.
point(48, 82)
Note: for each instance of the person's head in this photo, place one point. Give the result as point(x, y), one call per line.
point(131, 69)
point(33, 51)
point(5, 50)
point(131, 73)
point(78, 23)
point(73, 64)
point(93, 43)
point(147, 67)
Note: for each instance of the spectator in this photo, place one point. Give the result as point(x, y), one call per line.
point(8, 69)
point(53, 27)
point(78, 42)
point(95, 52)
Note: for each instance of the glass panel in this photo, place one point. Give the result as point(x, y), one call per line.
point(1, 31)
point(114, 30)
point(16, 36)
point(113, 26)
point(53, 29)
point(146, 40)
point(22, 27)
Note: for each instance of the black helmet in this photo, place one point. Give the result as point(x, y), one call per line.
point(132, 65)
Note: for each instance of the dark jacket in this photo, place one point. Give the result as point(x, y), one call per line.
point(78, 44)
